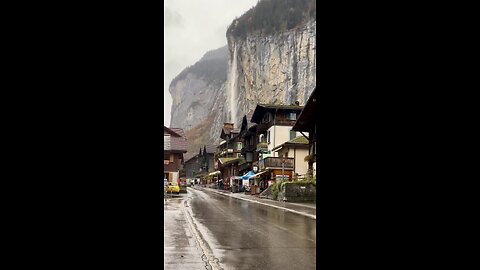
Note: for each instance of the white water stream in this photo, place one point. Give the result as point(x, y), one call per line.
point(232, 89)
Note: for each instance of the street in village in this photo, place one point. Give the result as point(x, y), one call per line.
point(208, 229)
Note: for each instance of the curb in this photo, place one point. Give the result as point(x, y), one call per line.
point(279, 207)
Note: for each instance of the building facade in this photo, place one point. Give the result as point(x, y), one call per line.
point(174, 146)
point(308, 127)
point(274, 128)
point(297, 149)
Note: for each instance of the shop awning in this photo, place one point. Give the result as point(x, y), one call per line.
point(247, 175)
point(214, 173)
point(255, 175)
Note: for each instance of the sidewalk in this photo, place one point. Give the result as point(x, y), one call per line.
point(305, 209)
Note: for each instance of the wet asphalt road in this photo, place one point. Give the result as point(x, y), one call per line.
point(235, 234)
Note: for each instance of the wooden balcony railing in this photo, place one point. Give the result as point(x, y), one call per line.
point(276, 162)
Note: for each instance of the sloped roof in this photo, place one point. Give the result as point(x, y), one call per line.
point(179, 131)
point(211, 149)
point(261, 109)
point(306, 119)
point(249, 119)
point(166, 130)
point(297, 142)
point(175, 144)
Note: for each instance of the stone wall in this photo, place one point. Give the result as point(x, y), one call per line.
point(297, 193)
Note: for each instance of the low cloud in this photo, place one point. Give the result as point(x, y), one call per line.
point(191, 28)
point(172, 18)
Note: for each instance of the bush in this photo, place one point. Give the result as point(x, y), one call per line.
point(276, 189)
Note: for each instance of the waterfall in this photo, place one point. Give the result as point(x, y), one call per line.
point(232, 89)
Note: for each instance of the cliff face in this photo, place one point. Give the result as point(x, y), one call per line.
point(277, 68)
point(198, 93)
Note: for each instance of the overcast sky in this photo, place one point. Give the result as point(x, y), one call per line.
point(191, 28)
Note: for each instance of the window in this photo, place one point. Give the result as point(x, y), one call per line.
point(239, 146)
point(292, 116)
point(268, 137)
point(293, 134)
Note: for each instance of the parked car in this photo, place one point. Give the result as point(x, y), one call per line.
point(173, 187)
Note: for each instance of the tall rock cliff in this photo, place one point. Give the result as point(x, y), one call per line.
point(198, 93)
point(265, 61)
point(278, 68)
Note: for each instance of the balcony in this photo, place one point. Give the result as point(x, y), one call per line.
point(276, 163)
point(284, 122)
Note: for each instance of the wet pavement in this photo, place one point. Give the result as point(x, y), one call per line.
point(303, 208)
point(181, 250)
point(239, 234)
